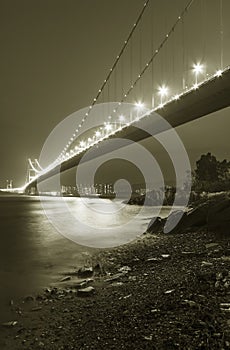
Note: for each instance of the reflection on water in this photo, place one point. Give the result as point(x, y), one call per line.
point(98, 223)
point(33, 253)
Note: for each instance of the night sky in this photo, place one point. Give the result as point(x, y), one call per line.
point(54, 56)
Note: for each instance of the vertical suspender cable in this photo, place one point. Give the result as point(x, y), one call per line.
point(152, 39)
point(221, 36)
point(183, 57)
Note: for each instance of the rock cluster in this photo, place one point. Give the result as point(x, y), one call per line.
point(213, 214)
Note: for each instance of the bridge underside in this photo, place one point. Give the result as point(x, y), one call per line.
point(210, 97)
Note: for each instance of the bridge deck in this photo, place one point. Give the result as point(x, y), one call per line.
point(211, 96)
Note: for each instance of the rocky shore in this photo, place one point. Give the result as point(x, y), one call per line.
point(164, 291)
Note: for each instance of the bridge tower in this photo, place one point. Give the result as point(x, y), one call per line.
point(32, 170)
point(9, 184)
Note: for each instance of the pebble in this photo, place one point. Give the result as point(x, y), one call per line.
point(206, 263)
point(170, 291)
point(9, 324)
point(64, 279)
point(36, 308)
point(125, 269)
point(88, 291)
point(211, 245)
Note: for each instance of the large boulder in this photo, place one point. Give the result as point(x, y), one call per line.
point(214, 213)
point(179, 221)
point(219, 219)
point(218, 206)
point(175, 222)
point(197, 216)
point(85, 272)
point(156, 225)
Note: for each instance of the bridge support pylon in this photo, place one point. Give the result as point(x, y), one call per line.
point(33, 169)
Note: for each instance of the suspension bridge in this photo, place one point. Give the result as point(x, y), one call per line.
point(179, 70)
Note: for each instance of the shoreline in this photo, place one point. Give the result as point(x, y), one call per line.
point(159, 292)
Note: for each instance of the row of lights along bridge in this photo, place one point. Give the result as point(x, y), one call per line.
point(103, 132)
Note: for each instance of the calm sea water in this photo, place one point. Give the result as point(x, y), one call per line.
point(33, 254)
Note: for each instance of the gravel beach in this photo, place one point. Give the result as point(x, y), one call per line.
point(160, 292)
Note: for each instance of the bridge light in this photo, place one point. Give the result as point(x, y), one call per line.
point(195, 86)
point(176, 97)
point(108, 127)
point(163, 91)
point(197, 69)
point(218, 73)
point(139, 104)
point(97, 133)
point(82, 144)
point(121, 119)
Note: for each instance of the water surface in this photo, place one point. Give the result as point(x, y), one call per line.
point(33, 254)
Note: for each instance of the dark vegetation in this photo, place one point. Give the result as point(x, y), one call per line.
point(210, 176)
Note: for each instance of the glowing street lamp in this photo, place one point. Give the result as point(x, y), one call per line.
point(197, 69)
point(163, 91)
